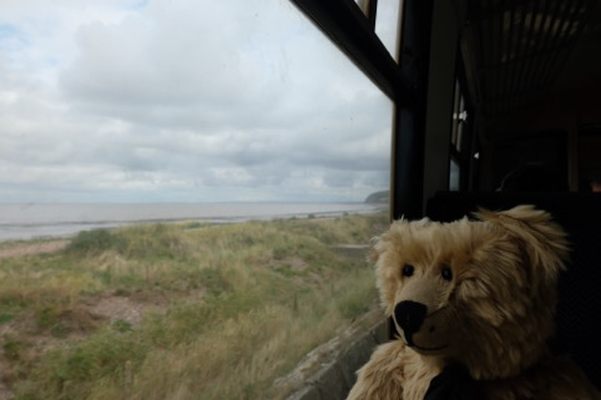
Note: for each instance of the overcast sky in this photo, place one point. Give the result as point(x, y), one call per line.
point(182, 100)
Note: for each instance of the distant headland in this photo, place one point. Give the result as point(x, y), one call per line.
point(378, 197)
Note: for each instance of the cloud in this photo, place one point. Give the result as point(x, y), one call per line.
point(182, 101)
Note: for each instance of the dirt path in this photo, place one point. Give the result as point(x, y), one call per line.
point(27, 249)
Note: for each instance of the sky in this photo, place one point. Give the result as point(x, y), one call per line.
point(183, 101)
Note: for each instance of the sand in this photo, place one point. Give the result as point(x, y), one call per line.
point(32, 248)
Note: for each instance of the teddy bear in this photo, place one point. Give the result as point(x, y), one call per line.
point(480, 294)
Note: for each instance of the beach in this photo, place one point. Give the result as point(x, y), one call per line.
point(24, 221)
point(185, 309)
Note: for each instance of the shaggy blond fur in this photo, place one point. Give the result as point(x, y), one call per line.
point(494, 316)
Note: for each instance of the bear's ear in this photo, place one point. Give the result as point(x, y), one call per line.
point(397, 231)
point(375, 249)
point(543, 240)
point(380, 244)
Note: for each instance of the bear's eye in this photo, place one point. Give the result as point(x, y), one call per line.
point(408, 270)
point(447, 273)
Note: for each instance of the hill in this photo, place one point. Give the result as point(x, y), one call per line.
point(378, 197)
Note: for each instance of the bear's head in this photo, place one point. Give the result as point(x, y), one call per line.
point(481, 293)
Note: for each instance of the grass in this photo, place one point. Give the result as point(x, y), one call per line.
point(230, 308)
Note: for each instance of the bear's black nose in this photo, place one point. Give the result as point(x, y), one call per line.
point(410, 316)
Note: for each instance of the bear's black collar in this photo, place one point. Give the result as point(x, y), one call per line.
point(453, 383)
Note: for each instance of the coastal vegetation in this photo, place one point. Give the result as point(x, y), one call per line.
point(180, 311)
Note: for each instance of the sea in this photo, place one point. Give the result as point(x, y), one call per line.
point(34, 220)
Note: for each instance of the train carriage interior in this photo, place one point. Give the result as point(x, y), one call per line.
point(496, 103)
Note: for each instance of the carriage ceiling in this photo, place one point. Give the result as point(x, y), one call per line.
point(520, 51)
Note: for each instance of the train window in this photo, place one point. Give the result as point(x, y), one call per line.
point(259, 147)
point(387, 24)
point(454, 124)
point(461, 121)
point(459, 118)
point(459, 161)
point(384, 16)
point(454, 175)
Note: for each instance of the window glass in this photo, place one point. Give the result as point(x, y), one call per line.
point(144, 102)
point(235, 160)
point(362, 5)
point(454, 175)
point(387, 22)
point(456, 111)
point(461, 120)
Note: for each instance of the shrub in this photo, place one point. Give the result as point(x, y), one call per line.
point(97, 241)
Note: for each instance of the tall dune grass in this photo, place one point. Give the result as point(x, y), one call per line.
point(241, 305)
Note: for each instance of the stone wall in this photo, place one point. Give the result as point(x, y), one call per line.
point(328, 372)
